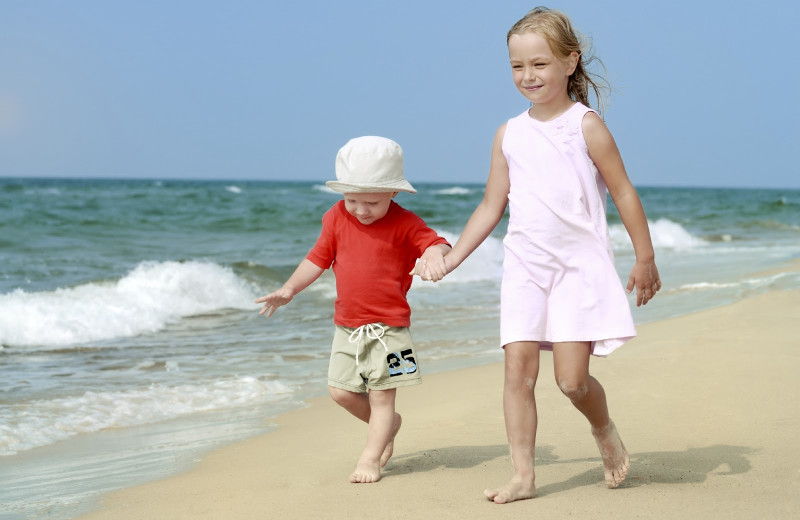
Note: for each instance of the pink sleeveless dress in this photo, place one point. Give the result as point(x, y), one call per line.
point(559, 282)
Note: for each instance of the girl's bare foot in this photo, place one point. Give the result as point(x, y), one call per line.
point(616, 460)
point(387, 452)
point(366, 473)
point(516, 489)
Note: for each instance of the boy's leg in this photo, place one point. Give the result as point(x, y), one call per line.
point(358, 405)
point(519, 409)
point(379, 433)
point(571, 364)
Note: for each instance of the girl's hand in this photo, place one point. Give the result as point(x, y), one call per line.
point(644, 276)
point(435, 269)
point(431, 265)
point(430, 271)
point(274, 300)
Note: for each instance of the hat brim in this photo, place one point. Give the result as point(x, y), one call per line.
point(344, 187)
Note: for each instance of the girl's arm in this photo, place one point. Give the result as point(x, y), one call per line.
point(489, 211)
point(303, 276)
point(605, 155)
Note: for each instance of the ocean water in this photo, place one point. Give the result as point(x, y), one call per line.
point(130, 343)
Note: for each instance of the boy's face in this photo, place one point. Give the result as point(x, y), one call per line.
point(368, 207)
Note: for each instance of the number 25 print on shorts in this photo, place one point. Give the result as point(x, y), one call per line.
point(401, 363)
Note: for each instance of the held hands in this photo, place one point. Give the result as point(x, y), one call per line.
point(274, 300)
point(431, 266)
point(644, 276)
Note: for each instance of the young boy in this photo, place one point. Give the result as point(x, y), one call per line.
point(372, 244)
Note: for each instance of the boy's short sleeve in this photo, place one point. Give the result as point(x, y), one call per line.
point(423, 236)
point(324, 250)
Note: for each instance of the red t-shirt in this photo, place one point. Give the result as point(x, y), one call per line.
point(371, 263)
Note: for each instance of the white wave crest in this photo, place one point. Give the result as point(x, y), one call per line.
point(324, 189)
point(744, 284)
point(148, 298)
point(664, 233)
point(484, 264)
point(455, 190)
point(48, 421)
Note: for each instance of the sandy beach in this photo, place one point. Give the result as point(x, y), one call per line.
point(705, 403)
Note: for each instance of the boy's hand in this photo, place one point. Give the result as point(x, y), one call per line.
point(274, 300)
point(419, 269)
point(644, 276)
point(423, 271)
point(431, 265)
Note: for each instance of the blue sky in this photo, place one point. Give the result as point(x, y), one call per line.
point(706, 93)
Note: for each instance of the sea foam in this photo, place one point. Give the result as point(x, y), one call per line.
point(47, 421)
point(742, 285)
point(323, 188)
point(148, 298)
point(664, 233)
point(484, 264)
point(455, 190)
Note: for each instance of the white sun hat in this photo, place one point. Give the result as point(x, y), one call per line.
point(370, 164)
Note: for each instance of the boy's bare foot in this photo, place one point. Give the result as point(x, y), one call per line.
point(516, 489)
point(387, 452)
point(616, 460)
point(365, 473)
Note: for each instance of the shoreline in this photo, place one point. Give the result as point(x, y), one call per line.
point(703, 402)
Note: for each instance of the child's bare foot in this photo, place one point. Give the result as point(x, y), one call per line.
point(387, 452)
point(366, 473)
point(616, 460)
point(516, 489)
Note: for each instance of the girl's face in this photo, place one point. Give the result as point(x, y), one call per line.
point(368, 207)
point(538, 74)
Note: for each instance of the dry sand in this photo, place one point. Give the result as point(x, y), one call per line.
point(706, 404)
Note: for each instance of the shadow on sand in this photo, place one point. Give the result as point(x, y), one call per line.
point(691, 466)
point(444, 457)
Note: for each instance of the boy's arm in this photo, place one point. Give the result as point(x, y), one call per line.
point(605, 155)
point(303, 276)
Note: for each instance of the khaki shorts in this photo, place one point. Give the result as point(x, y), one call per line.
point(359, 360)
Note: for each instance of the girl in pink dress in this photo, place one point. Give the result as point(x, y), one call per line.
point(552, 166)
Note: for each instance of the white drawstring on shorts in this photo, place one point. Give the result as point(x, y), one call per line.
point(372, 333)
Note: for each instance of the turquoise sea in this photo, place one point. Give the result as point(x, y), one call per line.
point(129, 343)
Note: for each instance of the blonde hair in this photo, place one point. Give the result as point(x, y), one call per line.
point(555, 27)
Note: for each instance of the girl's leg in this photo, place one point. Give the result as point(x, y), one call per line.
point(358, 405)
point(519, 408)
point(379, 433)
point(571, 364)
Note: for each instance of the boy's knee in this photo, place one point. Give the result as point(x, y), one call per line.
point(575, 390)
point(341, 397)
